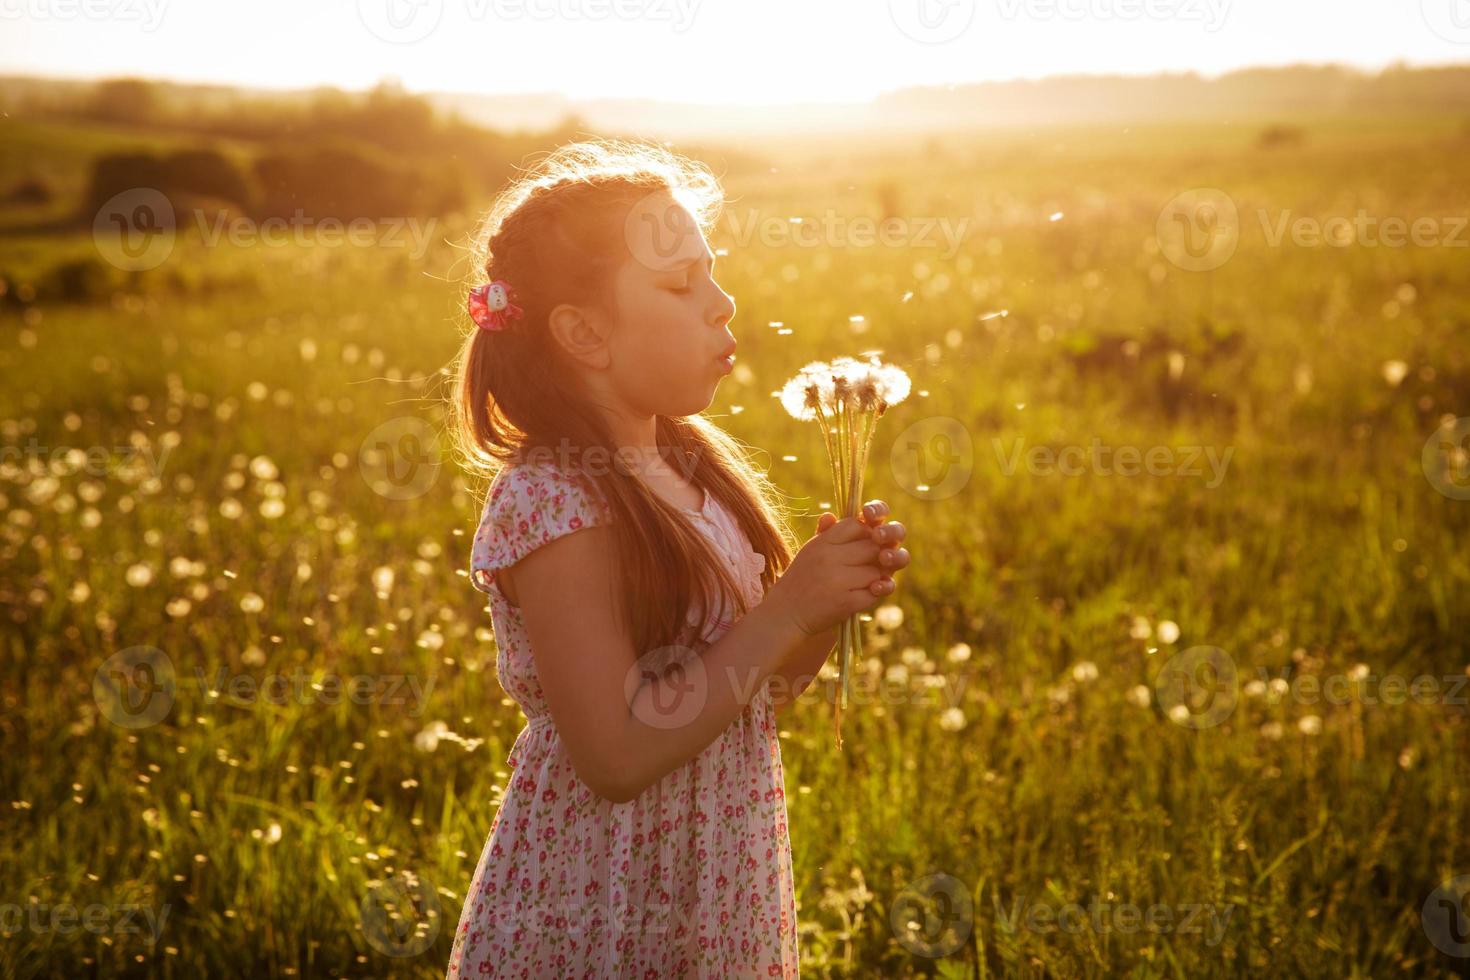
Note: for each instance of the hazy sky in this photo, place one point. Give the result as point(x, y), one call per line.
point(708, 50)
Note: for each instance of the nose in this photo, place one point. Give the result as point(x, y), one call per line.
point(724, 308)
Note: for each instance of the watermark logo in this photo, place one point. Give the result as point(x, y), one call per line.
point(933, 458)
point(832, 229)
point(1364, 230)
point(933, 916)
point(677, 687)
point(1210, 13)
point(1446, 916)
point(148, 14)
point(97, 918)
point(1446, 458)
point(400, 459)
point(134, 688)
point(1199, 229)
point(400, 21)
point(1102, 460)
point(301, 230)
point(1198, 688)
point(1105, 917)
point(98, 461)
point(1450, 19)
point(299, 687)
point(400, 916)
point(932, 21)
point(660, 232)
point(134, 230)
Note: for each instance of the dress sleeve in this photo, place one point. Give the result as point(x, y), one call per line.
point(529, 506)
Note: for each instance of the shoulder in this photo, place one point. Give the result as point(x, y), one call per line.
point(530, 505)
point(543, 490)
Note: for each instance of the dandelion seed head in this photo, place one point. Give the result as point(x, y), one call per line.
point(952, 720)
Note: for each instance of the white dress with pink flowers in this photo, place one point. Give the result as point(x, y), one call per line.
point(691, 879)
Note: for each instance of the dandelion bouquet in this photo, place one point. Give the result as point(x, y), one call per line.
point(845, 397)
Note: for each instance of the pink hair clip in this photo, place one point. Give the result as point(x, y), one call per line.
point(492, 305)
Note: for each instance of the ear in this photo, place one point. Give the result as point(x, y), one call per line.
point(581, 334)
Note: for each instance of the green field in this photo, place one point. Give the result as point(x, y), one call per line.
point(189, 468)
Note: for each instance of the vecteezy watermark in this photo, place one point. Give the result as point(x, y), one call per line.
point(932, 916)
point(1100, 460)
point(147, 13)
point(400, 916)
point(834, 230)
point(1210, 13)
point(135, 229)
point(1199, 229)
point(932, 21)
point(1359, 685)
point(667, 687)
point(400, 458)
point(1201, 687)
point(1446, 917)
point(98, 461)
point(661, 231)
point(602, 460)
point(136, 688)
point(1450, 19)
point(1198, 687)
point(1364, 230)
point(96, 918)
point(1099, 917)
point(598, 914)
point(299, 229)
point(933, 458)
point(410, 21)
point(890, 689)
point(303, 688)
point(1446, 458)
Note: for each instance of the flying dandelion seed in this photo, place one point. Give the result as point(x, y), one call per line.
point(846, 397)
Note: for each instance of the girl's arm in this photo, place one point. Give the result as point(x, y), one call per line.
point(624, 727)
point(797, 673)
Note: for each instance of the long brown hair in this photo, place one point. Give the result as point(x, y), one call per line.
point(556, 234)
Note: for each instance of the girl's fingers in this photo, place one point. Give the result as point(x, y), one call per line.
point(825, 521)
point(874, 511)
point(891, 533)
point(892, 559)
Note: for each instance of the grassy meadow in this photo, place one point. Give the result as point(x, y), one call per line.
point(226, 509)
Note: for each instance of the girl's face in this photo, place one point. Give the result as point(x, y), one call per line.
point(672, 344)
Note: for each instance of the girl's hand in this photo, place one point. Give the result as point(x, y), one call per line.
point(889, 536)
point(843, 570)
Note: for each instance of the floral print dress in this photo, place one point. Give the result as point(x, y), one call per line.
point(693, 877)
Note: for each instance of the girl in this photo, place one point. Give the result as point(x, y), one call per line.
point(649, 615)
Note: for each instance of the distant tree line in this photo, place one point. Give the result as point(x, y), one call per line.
point(383, 153)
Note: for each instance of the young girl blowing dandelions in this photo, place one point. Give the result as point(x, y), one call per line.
point(650, 616)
